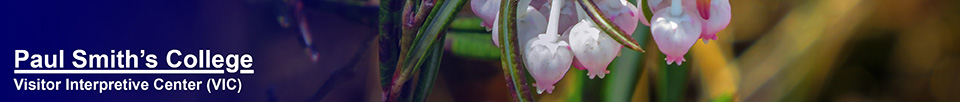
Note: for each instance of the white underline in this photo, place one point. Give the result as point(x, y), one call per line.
point(114, 71)
point(250, 71)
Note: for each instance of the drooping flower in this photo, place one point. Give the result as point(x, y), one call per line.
point(594, 50)
point(548, 57)
point(717, 18)
point(675, 30)
point(675, 25)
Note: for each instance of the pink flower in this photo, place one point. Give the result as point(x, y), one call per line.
point(675, 30)
point(594, 50)
point(679, 23)
point(547, 59)
point(487, 10)
point(718, 17)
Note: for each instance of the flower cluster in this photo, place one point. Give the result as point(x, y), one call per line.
point(557, 35)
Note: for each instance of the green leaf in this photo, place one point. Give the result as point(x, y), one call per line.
point(426, 39)
point(428, 74)
point(672, 81)
point(437, 22)
point(624, 71)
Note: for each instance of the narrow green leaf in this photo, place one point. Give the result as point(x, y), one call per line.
point(672, 81)
point(436, 23)
point(624, 71)
point(428, 74)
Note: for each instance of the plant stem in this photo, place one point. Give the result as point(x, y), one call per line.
point(510, 56)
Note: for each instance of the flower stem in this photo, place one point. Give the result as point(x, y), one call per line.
point(553, 24)
point(675, 9)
